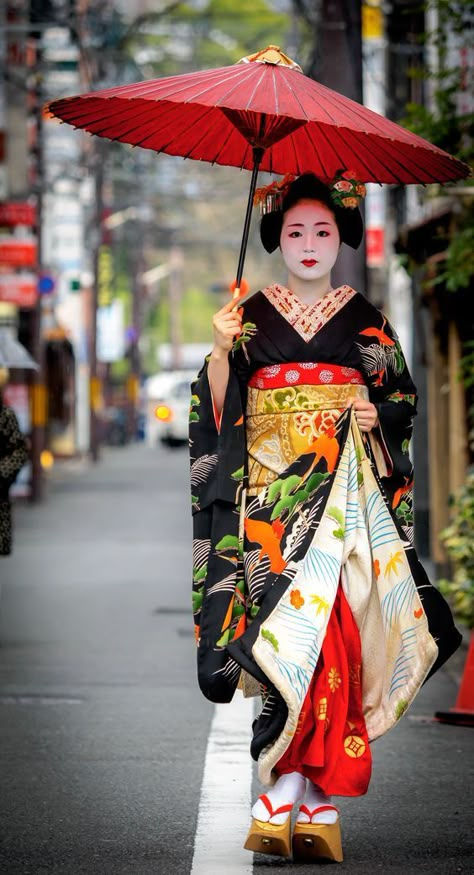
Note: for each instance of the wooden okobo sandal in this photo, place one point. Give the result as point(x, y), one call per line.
point(270, 838)
point(316, 841)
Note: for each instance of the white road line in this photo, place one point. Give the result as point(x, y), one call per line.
point(224, 809)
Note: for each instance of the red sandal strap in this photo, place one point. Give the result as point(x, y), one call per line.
point(268, 805)
point(305, 810)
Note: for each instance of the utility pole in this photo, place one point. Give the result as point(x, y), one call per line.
point(175, 283)
point(38, 396)
point(95, 382)
point(339, 37)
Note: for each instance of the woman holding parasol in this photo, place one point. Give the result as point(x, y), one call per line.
point(306, 583)
point(307, 587)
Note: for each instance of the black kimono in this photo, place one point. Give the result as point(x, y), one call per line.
point(291, 502)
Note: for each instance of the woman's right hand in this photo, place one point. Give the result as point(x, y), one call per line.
point(226, 325)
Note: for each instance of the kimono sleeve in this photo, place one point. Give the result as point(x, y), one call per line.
point(13, 451)
point(218, 474)
point(393, 392)
point(217, 445)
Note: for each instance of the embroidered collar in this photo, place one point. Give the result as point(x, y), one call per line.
point(307, 320)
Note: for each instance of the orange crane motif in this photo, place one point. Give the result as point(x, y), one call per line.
point(380, 334)
point(268, 535)
point(326, 446)
point(398, 495)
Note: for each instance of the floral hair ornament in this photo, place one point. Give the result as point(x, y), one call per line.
point(346, 190)
point(270, 197)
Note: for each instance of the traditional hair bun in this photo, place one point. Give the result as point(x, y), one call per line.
point(309, 187)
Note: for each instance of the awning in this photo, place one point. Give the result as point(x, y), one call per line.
point(12, 353)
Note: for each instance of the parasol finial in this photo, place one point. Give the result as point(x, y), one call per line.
point(271, 55)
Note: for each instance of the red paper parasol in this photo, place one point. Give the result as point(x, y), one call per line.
point(260, 114)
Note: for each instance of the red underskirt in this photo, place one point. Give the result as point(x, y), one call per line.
point(331, 746)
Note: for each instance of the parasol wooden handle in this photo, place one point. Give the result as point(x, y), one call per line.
point(239, 290)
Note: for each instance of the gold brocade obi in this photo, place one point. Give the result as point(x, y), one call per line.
point(288, 407)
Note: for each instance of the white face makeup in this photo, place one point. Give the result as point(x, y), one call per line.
point(309, 240)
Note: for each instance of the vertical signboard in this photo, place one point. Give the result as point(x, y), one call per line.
point(374, 97)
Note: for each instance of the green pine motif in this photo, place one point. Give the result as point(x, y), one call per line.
point(199, 574)
point(399, 360)
point(284, 489)
point(228, 542)
point(193, 416)
point(195, 401)
point(249, 329)
point(401, 708)
point(289, 484)
point(269, 636)
point(224, 639)
point(197, 597)
point(288, 503)
point(239, 474)
point(404, 513)
point(336, 514)
point(315, 481)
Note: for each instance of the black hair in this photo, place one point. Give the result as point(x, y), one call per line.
point(309, 187)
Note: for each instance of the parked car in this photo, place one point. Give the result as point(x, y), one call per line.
point(167, 401)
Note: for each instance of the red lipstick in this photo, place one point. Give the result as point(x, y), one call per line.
point(309, 262)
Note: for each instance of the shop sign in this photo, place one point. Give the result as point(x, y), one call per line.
point(375, 246)
point(18, 251)
point(19, 289)
point(17, 213)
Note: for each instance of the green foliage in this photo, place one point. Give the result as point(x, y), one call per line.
point(467, 365)
point(458, 538)
point(444, 125)
point(459, 264)
point(183, 38)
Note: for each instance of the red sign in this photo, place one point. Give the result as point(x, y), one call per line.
point(17, 213)
point(17, 252)
point(19, 289)
point(375, 246)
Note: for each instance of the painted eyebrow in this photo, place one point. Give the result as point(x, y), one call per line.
point(301, 225)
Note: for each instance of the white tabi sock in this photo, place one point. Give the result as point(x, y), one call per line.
point(286, 791)
point(314, 797)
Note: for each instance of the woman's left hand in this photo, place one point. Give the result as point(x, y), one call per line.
point(365, 413)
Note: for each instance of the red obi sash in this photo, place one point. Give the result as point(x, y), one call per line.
point(304, 373)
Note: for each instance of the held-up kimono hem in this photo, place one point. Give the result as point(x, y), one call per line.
point(338, 513)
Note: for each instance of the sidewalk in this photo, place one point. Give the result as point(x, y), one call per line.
point(103, 731)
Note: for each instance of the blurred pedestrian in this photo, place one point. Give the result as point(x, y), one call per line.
point(13, 455)
point(306, 581)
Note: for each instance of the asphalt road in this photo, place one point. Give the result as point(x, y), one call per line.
point(103, 732)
